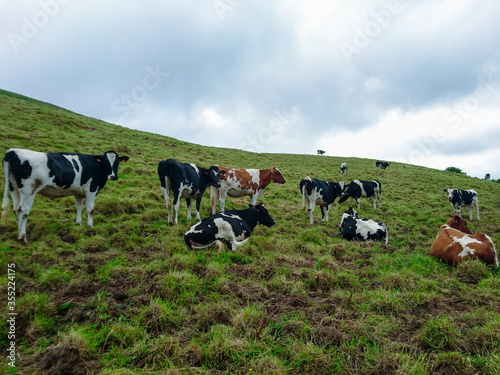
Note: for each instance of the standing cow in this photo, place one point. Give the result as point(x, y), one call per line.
point(352, 227)
point(319, 192)
point(187, 181)
point(55, 175)
point(382, 165)
point(367, 189)
point(232, 227)
point(343, 169)
point(243, 182)
point(455, 242)
point(466, 198)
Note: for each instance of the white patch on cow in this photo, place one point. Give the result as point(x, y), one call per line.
point(111, 159)
point(464, 242)
point(195, 167)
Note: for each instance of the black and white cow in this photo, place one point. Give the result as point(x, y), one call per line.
point(319, 192)
point(487, 177)
point(352, 227)
point(367, 189)
point(232, 227)
point(466, 198)
point(55, 175)
point(187, 181)
point(343, 169)
point(381, 165)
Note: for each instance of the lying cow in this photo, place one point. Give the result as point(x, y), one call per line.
point(381, 165)
point(343, 169)
point(232, 227)
point(187, 181)
point(55, 175)
point(455, 242)
point(243, 182)
point(367, 189)
point(352, 227)
point(466, 198)
point(322, 193)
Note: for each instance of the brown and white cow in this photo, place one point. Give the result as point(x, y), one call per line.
point(455, 241)
point(242, 182)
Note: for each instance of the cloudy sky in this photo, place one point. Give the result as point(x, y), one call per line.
point(410, 81)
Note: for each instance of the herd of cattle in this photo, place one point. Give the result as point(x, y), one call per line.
point(56, 175)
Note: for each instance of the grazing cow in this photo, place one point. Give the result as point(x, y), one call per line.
point(455, 241)
point(232, 227)
point(352, 227)
point(187, 181)
point(241, 182)
point(381, 165)
point(55, 175)
point(319, 192)
point(487, 177)
point(343, 169)
point(466, 198)
point(321, 152)
point(367, 189)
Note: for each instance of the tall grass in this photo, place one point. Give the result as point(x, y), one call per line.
point(128, 297)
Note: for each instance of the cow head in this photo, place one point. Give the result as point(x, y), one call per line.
point(352, 212)
point(263, 216)
point(276, 176)
point(212, 175)
point(452, 193)
point(109, 163)
point(456, 222)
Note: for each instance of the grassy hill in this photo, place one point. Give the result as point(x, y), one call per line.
point(128, 297)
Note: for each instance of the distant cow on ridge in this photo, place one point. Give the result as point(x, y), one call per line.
point(343, 169)
point(187, 181)
point(55, 175)
point(466, 198)
point(381, 165)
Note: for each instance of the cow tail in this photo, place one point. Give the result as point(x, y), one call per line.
point(6, 202)
point(304, 188)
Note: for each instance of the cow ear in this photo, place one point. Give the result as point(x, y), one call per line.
point(123, 158)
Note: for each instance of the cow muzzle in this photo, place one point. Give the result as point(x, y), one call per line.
point(112, 177)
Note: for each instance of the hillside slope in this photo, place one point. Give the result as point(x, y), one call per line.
point(127, 297)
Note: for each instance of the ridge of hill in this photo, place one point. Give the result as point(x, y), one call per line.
point(127, 297)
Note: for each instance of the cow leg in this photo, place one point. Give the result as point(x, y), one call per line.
point(477, 211)
point(235, 245)
point(189, 207)
point(310, 210)
point(16, 199)
point(379, 196)
point(374, 199)
point(255, 197)
point(168, 204)
point(222, 200)
point(79, 209)
point(22, 213)
point(327, 209)
point(89, 205)
point(214, 197)
point(176, 204)
point(198, 204)
point(358, 200)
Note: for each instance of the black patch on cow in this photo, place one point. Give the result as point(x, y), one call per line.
point(75, 165)
point(18, 170)
point(61, 169)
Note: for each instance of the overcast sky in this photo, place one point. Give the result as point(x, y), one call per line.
point(409, 81)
